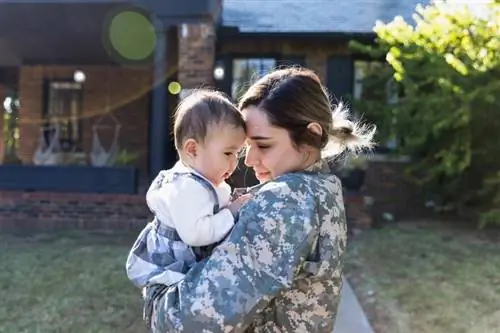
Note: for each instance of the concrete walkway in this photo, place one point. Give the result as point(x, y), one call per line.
point(350, 317)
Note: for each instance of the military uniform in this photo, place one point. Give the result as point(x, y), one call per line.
point(279, 270)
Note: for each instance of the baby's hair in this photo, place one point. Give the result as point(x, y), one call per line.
point(200, 110)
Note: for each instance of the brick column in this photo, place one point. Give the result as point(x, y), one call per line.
point(161, 149)
point(30, 113)
point(196, 55)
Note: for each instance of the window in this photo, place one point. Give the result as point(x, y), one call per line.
point(247, 71)
point(10, 138)
point(63, 109)
point(362, 69)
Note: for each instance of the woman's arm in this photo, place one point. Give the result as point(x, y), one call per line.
point(263, 253)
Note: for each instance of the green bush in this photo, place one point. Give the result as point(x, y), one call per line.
point(448, 117)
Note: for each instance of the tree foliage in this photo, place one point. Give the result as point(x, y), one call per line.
point(448, 65)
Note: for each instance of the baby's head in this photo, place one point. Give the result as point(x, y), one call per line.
point(209, 132)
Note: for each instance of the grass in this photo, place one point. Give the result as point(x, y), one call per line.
point(71, 282)
point(427, 278)
point(409, 278)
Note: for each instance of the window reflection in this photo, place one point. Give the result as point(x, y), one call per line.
point(64, 108)
point(364, 69)
point(247, 71)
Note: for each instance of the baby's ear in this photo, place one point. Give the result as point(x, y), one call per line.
point(190, 147)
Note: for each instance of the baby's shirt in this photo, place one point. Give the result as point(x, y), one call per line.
point(186, 205)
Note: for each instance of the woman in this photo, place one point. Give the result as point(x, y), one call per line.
point(280, 268)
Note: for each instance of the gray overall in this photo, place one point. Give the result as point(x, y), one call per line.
point(153, 291)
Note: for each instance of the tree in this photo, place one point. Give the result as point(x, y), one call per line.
point(448, 66)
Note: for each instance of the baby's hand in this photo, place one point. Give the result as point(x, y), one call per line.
point(236, 205)
point(238, 192)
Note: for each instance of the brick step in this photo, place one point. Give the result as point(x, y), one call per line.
point(52, 211)
point(357, 212)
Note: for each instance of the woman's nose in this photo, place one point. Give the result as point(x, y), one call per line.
point(250, 157)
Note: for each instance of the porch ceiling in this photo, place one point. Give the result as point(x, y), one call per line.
point(53, 32)
point(59, 32)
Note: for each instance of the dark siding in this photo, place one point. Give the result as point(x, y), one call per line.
point(340, 77)
point(292, 61)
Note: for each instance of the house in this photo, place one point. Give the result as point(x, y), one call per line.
point(94, 82)
point(260, 35)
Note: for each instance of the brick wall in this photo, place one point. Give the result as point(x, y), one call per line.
point(357, 213)
point(33, 211)
point(52, 211)
point(196, 55)
point(385, 182)
point(392, 191)
point(127, 90)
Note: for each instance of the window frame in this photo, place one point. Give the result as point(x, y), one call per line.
point(227, 61)
point(391, 146)
point(247, 59)
point(67, 144)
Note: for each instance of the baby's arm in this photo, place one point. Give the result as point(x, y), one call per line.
point(191, 208)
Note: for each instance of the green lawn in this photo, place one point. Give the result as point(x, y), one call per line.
point(410, 278)
point(67, 283)
point(427, 278)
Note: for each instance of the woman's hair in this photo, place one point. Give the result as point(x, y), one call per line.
point(200, 110)
point(293, 98)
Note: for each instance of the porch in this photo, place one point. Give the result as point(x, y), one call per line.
point(85, 88)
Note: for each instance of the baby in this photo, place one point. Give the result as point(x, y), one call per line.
point(191, 201)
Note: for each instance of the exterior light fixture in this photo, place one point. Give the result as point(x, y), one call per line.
point(79, 76)
point(219, 72)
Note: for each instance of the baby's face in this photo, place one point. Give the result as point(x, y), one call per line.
point(217, 157)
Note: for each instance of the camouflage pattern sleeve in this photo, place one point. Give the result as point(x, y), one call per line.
point(261, 257)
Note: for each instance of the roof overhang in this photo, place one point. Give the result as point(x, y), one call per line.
point(226, 32)
point(74, 31)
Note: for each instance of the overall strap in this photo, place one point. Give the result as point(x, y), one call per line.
point(202, 252)
point(165, 231)
point(209, 187)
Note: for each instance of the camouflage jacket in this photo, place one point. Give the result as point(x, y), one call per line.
point(279, 270)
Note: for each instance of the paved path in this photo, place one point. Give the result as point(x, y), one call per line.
point(350, 317)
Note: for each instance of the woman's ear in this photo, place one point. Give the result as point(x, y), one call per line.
point(190, 147)
point(315, 128)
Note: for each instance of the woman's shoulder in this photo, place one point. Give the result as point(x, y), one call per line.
point(289, 182)
point(299, 185)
